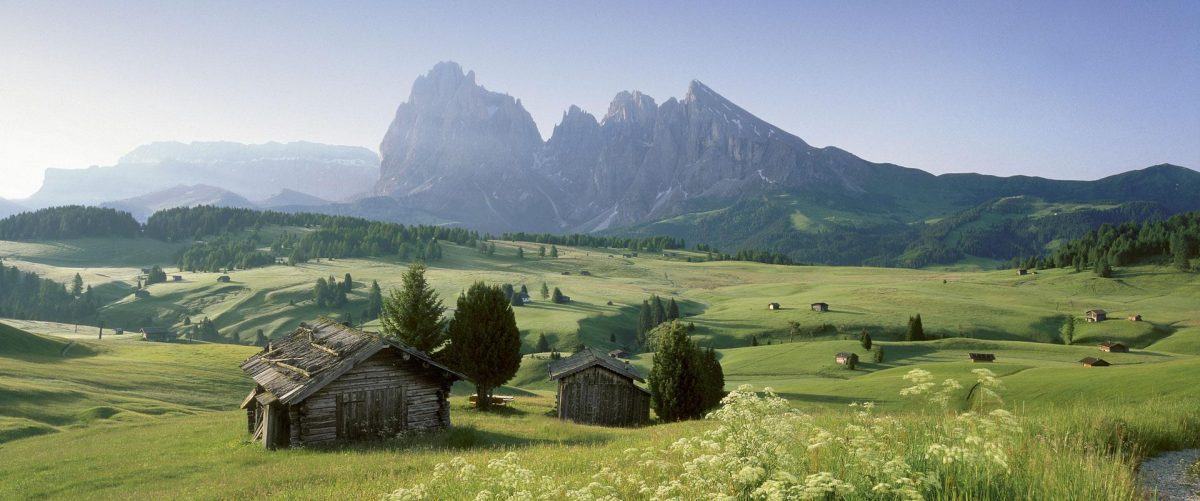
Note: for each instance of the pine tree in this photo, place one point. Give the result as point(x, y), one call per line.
point(556, 296)
point(672, 310)
point(515, 300)
point(485, 343)
point(541, 251)
point(413, 314)
point(77, 286)
point(347, 283)
point(374, 301)
point(644, 325)
point(508, 291)
point(260, 339)
point(658, 313)
point(1179, 253)
point(712, 379)
point(753, 340)
point(320, 294)
point(520, 253)
point(545, 291)
point(916, 331)
point(865, 339)
point(491, 249)
point(682, 382)
point(553, 251)
point(543, 344)
point(879, 355)
point(1102, 268)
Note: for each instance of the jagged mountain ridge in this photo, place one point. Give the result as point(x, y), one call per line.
point(141, 207)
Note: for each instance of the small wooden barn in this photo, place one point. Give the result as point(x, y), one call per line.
point(595, 388)
point(327, 383)
point(819, 307)
point(176, 278)
point(1114, 347)
point(773, 306)
point(1095, 315)
point(1135, 318)
point(618, 353)
point(1094, 362)
point(223, 278)
point(157, 334)
point(982, 357)
point(845, 358)
point(1022, 271)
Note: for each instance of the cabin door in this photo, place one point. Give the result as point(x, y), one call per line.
point(371, 413)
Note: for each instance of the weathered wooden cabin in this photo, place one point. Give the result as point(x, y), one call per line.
point(773, 306)
point(328, 383)
point(1135, 318)
point(1094, 362)
point(618, 353)
point(982, 357)
point(176, 278)
point(157, 334)
point(1114, 347)
point(1095, 315)
point(1022, 271)
point(223, 278)
point(819, 307)
point(595, 388)
point(846, 358)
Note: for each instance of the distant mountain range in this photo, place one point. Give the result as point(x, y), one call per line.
point(701, 168)
point(253, 172)
point(8, 208)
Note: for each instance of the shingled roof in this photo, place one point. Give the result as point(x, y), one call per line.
point(591, 357)
point(292, 368)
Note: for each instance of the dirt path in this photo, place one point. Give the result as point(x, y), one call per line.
point(1166, 476)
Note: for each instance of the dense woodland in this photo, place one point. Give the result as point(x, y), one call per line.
point(26, 296)
point(72, 221)
point(1175, 241)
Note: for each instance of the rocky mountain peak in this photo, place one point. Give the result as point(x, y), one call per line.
point(631, 107)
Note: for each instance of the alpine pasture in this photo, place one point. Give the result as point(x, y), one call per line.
point(121, 417)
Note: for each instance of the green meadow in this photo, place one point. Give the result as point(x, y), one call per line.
point(82, 417)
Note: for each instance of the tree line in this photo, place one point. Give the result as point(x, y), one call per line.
point(656, 243)
point(71, 221)
point(1175, 240)
point(26, 296)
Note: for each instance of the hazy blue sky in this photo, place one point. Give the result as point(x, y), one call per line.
point(1057, 89)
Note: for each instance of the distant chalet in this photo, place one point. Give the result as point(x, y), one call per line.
point(223, 278)
point(819, 307)
point(845, 358)
point(1095, 315)
point(156, 334)
point(1135, 318)
point(595, 388)
point(773, 306)
point(618, 353)
point(1114, 348)
point(327, 383)
point(1094, 362)
point(982, 357)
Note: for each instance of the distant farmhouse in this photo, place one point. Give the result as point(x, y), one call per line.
point(1095, 315)
point(156, 334)
point(1135, 318)
point(223, 279)
point(1023, 271)
point(618, 353)
point(1114, 347)
point(176, 278)
point(595, 388)
point(982, 357)
point(773, 306)
point(1094, 362)
point(819, 307)
point(327, 383)
point(846, 358)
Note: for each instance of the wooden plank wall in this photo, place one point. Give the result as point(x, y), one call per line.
point(381, 396)
point(598, 396)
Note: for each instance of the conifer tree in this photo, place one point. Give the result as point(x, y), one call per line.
point(553, 251)
point(374, 301)
point(916, 331)
point(413, 314)
point(545, 291)
point(672, 310)
point(543, 344)
point(347, 283)
point(485, 343)
point(520, 253)
point(1068, 330)
point(557, 296)
point(865, 339)
point(541, 251)
point(77, 286)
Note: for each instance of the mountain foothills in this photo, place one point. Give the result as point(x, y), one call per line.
point(703, 169)
point(253, 172)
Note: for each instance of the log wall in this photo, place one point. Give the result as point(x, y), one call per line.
point(599, 396)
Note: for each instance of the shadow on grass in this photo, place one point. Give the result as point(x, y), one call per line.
point(464, 438)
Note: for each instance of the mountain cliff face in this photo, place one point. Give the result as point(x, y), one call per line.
point(251, 171)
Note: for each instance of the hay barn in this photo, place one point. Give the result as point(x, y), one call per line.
point(1095, 315)
point(327, 383)
point(1094, 362)
point(594, 388)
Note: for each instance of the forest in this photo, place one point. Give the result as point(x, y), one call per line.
point(26, 296)
point(72, 221)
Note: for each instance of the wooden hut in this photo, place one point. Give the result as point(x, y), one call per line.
point(328, 383)
point(1114, 348)
point(1095, 315)
point(595, 388)
point(1135, 318)
point(982, 357)
point(157, 334)
point(223, 278)
point(845, 358)
point(618, 353)
point(819, 307)
point(1094, 362)
point(176, 278)
point(773, 306)
point(1022, 271)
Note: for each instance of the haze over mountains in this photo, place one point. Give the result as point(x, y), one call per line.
point(698, 167)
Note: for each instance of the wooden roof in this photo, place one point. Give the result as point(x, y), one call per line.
point(982, 356)
point(1094, 361)
point(590, 357)
point(293, 368)
point(1102, 312)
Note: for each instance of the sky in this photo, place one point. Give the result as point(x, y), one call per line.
point(1063, 89)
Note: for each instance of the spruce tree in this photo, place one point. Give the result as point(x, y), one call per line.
point(916, 331)
point(508, 291)
point(541, 251)
point(374, 301)
point(712, 379)
point(657, 311)
point(865, 339)
point(644, 325)
point(672, 310)
point(545, 291)
point(319, 293)
point(673, 378)
point(515, 300)
point(77, 286)
point(347, 283)
point(1068, 330)
point(556, 296)
point(553, 251)
point(543, 344)
point(1179, 253)
point(260, 339)
point(413, 314)
point(485, 343)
